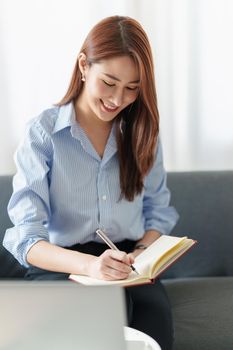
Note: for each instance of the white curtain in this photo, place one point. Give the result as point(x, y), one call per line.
point(193, 52)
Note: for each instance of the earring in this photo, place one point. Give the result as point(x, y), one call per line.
point(122, 126)
point(83, 78)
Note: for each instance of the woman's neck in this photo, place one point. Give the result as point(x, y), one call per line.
point(96, 130)
point(88, 120)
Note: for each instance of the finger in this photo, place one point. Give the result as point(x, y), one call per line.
point(112, 274)
point(131, 258)
point(114, 264)
point(109, 269)
point(119, 266)
point(112, 261)
point(119, 255)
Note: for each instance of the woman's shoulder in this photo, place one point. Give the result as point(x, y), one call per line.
point(45, 121)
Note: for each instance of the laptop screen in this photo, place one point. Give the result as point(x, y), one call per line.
point(61, 316)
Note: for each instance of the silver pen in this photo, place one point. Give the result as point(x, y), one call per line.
point(102, 235)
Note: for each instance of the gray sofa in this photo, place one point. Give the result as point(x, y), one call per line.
point(200, 285)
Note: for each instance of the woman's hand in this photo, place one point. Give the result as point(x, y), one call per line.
point(135, 253)
point(111, 265)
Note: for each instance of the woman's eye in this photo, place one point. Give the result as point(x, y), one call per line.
point(108, 84)
point(132, 89)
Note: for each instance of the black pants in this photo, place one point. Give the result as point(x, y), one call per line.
point(148, 307)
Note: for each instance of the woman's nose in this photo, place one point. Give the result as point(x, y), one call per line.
point(117, 98)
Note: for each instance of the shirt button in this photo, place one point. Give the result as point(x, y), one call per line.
point(104, 197)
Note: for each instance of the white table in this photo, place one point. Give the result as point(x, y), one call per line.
point(137, 340)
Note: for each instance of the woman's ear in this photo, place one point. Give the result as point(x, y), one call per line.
point(82, 61)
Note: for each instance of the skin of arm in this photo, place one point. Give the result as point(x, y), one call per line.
point(111, 265)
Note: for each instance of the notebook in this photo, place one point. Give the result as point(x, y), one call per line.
point(61, 316)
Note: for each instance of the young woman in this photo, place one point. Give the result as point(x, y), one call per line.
point(95, 161)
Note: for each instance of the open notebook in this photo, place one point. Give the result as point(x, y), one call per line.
point(150, 263)
point(60, 316)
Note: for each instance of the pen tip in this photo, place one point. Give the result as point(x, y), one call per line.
point(133, 268)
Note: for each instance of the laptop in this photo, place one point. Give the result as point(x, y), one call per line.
point(61, 316)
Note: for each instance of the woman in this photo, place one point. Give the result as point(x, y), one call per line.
point(95, 161)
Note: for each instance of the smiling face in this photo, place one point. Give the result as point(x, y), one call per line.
point(110, 86)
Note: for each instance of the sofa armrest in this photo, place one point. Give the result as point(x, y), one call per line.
point(204, 201)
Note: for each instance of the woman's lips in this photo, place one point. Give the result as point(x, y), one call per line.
point(108, 108)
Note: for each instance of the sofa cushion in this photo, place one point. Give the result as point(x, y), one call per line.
point(201, 310)
point(9, 267)
point(204, 201)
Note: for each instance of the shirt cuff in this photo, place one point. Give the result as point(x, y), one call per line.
point(163, 222)
point(18, 240)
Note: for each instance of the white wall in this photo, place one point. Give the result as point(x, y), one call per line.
point(193, 51)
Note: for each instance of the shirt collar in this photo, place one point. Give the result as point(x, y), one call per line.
point(66, 117)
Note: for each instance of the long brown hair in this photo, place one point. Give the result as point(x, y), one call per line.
point(137, 124)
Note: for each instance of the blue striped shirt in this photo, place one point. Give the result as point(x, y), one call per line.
point(63, 191)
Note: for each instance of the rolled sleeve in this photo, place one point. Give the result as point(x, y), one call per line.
point(158, 215)
point(19, 240)
point(29, 207)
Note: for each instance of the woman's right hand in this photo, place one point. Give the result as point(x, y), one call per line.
point(111, 265)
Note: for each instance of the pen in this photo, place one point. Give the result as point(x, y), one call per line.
point(102, 235)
